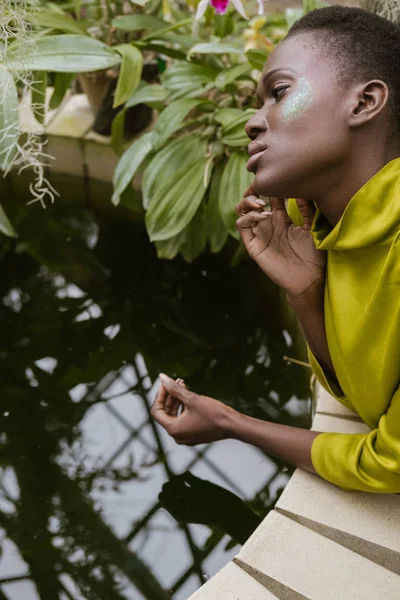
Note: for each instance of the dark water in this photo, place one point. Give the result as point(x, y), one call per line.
point(89, 317)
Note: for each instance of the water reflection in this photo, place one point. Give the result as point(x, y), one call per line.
point(89, 317)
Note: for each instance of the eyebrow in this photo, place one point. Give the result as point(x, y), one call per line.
point(271, 74)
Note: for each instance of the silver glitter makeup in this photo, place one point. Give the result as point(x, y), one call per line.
point(298, 102)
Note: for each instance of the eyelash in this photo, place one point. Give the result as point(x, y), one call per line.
point(277, 92)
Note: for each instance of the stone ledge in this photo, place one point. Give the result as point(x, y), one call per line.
point(232, 583)
point(294, 562)
point(368, 524)
point(328, 405)
point(333, 424)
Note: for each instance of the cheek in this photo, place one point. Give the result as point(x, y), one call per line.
point(298, 105)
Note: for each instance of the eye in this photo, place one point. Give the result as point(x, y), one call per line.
point(279, 91)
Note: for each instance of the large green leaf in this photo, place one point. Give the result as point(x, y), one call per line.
point(147, 94)
point(57, 20)
point(9, 119)
point(257, 57)
point(70, 54)
point(153, 95)
point(184, 76)
point(181, 151)
point(172, 117)
point(129, 163)
point(5, 226)
point(196, 236)
point(226, 116)
point(130, 73)
point(227, 76)
point(38, 99)
point(214, 48)
point(175, 204)
point(168, 249)
point(62, 83)
point(234, 134)
point(234, 182)
point(159, 33)
point(217, 231)
point(138, 22)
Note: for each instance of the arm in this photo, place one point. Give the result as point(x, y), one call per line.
point(205, 419)
point(291, 444)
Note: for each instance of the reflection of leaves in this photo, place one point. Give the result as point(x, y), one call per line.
point(217, 326)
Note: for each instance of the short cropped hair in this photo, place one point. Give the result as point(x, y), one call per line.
point(365, 45)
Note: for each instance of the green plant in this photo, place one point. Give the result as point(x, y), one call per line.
point(194, 160)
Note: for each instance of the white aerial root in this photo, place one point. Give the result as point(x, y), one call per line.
point(16, 29)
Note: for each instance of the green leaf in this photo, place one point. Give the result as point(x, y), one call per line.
point(62, 83)
point(129, 163)
point(217, 231)
point(117, 132)
point(234, 182)
point(184, 76)
point(223, 25)
point(196, 236)
point(147, 94)
point(130, 73)
point(214, 48)
point(162, 49)
point(70, 54)
point(234, 134)
point(181, 151)
point(153, 95)
point(9, 119)
point(257, 58)
point(161, 32)
point(226, 77)
point(38, 99)
point(78, 6)
point(168, 249)
point(5, 226)
point(226, 116)
point(171, 118)
point(57, 20)
point(175, 204)
point(138, 22)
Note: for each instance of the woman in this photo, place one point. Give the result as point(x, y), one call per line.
point(328, 129)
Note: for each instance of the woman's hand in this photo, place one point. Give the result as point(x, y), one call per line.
point(285, 252)
point(202, 419)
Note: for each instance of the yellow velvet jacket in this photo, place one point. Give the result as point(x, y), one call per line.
point(362, 320)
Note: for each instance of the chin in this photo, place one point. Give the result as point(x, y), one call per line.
point(274, 185)
point(267, 186)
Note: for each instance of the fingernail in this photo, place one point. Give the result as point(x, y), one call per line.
point(266, 212)
point(260, 202)
point(164, 377)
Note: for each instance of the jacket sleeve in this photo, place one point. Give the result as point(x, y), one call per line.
point(368, 462)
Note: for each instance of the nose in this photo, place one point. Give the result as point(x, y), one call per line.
point(256, 125)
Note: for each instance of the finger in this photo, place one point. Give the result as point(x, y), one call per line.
point(158, 411)
point(251, 219)
point(175, 389)
point(278, 204)
point(250, 191)
point(248, 204)
point(172, 404)
point(308, 210)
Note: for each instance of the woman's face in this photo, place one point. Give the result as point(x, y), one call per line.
point(301, 131)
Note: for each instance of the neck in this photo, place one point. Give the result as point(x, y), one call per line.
point(345, 182)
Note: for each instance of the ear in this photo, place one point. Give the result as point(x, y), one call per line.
point(370, 101)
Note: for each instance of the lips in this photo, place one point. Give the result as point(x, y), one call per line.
point(255, 150)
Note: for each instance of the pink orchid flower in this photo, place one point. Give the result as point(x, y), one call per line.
point(220, 7)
